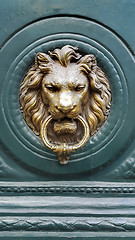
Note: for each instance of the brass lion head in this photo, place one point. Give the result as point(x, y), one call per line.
point(65, 98)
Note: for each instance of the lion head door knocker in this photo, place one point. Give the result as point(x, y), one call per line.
point(65, 98)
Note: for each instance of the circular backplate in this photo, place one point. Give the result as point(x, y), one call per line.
point(112, 56)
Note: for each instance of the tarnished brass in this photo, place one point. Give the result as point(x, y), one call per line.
point(63, 150)
point(65, 98)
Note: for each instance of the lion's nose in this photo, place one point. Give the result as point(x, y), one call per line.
point(65, 103)
point(65, 109)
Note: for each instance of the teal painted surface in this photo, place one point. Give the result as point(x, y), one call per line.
point(117, 15)
point(20, 145)
point(65, 236)
point(93, 197)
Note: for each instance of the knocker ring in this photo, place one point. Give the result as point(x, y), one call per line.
point(63, 150)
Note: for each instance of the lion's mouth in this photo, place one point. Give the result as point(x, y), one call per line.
point(65, 125)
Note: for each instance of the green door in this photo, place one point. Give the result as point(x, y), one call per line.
point(87, 48)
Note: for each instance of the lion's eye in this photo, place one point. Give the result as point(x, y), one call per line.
point(79, 88)
point(52, 88)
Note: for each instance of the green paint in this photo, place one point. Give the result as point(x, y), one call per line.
point(36, 191)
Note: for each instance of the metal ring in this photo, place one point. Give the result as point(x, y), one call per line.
point(64, 149)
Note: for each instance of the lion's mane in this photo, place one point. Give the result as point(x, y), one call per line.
point(32, 106)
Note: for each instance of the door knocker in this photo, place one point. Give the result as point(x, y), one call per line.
point(65, 98)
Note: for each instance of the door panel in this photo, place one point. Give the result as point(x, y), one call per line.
point(92, 196)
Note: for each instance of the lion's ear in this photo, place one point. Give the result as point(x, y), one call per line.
point(43, 62)
point(88, 63)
